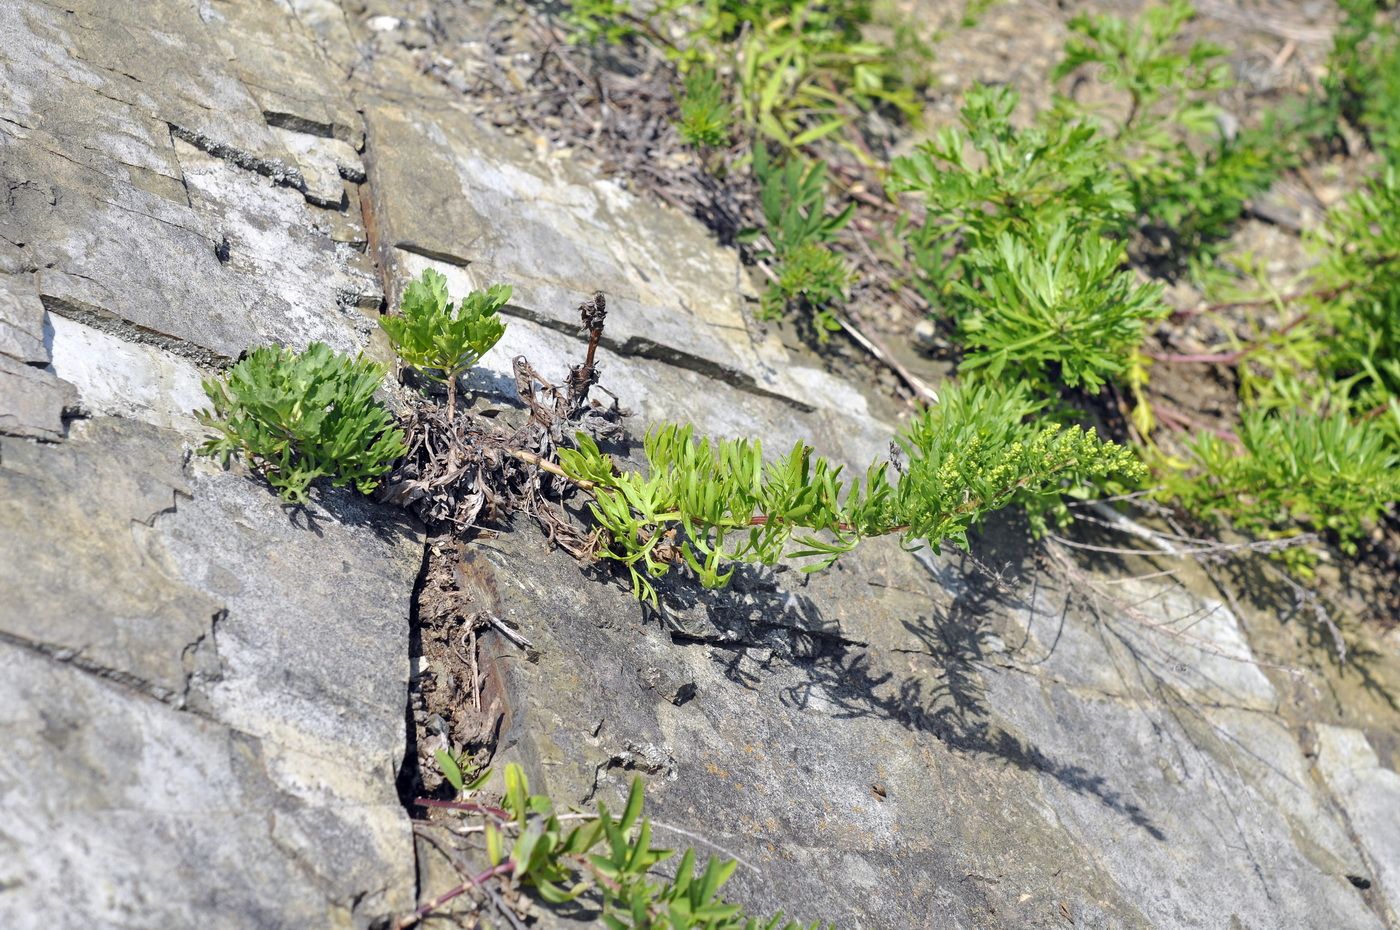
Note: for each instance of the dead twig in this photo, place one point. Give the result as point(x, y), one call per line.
point(507, 632)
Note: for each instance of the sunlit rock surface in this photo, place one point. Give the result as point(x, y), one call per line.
point(202, 693)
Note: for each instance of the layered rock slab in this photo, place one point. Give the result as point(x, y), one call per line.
point(203, 690)
point(139, 211)
point(449, 188)
point(204, 693)
point(903, 766)
point(219, 662)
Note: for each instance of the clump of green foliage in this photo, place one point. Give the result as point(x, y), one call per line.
point(1055, 307)
point(1342, 346)
point(442, 341)
point(701, 503)
point(1359, 293)
point(1020, 244)
point(712, 504)
point(1320, 435)
point(985, 178)
point(807, 272)
point(794, 71)
point(299, 416)
point(706, 115)
point(1189, 180)
point(608, 862)
point(1363, 79)
point(1292, 469)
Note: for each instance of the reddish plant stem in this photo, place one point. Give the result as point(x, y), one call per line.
point(1222, 358)
point(1183, 421)
point(1323, 293)
point(413, 919)
point(489, 811)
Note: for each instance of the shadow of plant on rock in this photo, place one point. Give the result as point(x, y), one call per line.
point(950, 704)
point(760, 621)
point(755, 617)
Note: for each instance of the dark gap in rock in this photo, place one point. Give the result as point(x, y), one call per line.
point(409, 781)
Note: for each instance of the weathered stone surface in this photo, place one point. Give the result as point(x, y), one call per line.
point(314, 647)
point(327, 21)
point(93, 500)
point(219, 258)
point(32, 400)
point(97, 72)
point(114, 377)
point(236, 267)
point(283, 68)
point(119, 810)
point(323, 164)
point(253, 660)
point(656, 391)
point(22, 321)
point(1157, 638)
point(298, 283)
point(451, 189)
point(920, 773)
point(1369, 794)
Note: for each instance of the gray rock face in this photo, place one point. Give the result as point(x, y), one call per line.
point(1369, 794)
point(191, 670)
point(202, 694)
point(903, 766)
point(455, 191)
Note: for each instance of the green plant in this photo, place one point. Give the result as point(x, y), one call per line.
point(1017, 244)
point(299, 416)
point(706, 112)
point(1359, 281)
point(605, 861)
point(1343, 341)
point(986, 179)
point(1189, 180)
point(795, 71)
point(711, 504)
point(1363, 75)
point(1319, 434)
point(460, 772)
point(1054, 306)
point(1292, 469)
point(806, 271)
point(1162, 81)
point(441, 341)
point(806, 74)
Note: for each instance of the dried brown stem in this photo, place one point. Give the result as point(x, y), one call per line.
point(542, 464)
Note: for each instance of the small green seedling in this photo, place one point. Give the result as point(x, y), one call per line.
point(806, 270)
point(707, 114)
point(440, 341)
point(608, 861)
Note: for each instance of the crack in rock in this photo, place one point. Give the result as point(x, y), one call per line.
point(275, 169)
